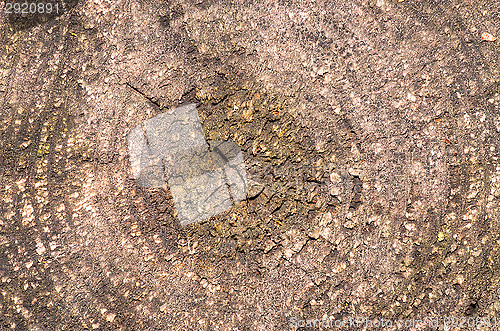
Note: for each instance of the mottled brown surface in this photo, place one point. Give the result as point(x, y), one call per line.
point(370, 130)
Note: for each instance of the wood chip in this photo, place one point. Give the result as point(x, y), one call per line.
point(487, 36)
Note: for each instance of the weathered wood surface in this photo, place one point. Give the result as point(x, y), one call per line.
point(370, 128)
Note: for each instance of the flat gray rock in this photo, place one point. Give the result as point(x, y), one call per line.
point(170, 148)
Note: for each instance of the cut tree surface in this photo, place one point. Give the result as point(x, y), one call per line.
point(370, 135)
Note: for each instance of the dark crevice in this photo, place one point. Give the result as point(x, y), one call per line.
point(144, 95)
point(471, 309)
point(356, 189)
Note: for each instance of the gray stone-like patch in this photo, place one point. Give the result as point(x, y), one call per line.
point(203, 182)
